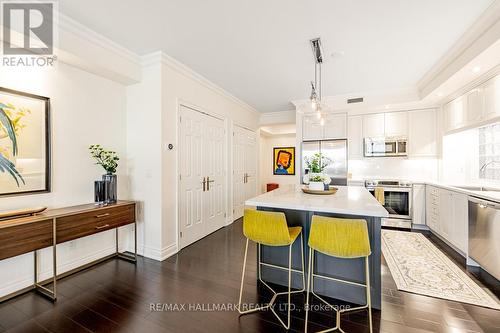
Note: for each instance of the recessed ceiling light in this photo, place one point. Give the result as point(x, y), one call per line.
point(439, 94)
point(387, 106)
point(476, 69)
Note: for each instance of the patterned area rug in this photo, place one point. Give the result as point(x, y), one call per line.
point(419, 267)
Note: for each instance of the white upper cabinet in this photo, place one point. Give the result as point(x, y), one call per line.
point(355, 136)
point(396, 124)
point(335, 127)
point(475, 105)
point(385, 124)
point(374, 125)
point(422, 134)
point(473, 108)
point(491, 91)
point(311, 128)
point(454, 114)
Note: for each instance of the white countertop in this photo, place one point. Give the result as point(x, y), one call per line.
point(486, 195)
point(351, 200)
point(493, 195)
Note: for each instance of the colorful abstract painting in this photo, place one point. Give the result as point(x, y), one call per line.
point(24, 143)
point(284, 161)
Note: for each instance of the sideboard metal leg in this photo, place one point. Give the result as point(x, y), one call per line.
point(35, 267)
point(52, 294)
point(126, 256)
point(116, 240)
point(135, 240)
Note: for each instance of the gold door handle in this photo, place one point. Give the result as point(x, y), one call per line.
point(102, 215)
point(102, 226)
point(208, 183)
point(204, 183)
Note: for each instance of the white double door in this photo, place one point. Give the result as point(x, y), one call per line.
point(245, 168)
point(202, 191)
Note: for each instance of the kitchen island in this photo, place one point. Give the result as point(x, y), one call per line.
point(349, 202)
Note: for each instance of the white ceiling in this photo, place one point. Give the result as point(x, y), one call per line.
point(259, 50)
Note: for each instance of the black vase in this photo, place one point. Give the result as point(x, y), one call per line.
point(111, 187)
point(99, 192)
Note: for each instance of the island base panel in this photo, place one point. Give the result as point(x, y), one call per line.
point(347, 269)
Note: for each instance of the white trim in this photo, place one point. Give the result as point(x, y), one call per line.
point(157, 253)
point(484, 32)
point(280, 117)
point(160, 57)
point(70, 25)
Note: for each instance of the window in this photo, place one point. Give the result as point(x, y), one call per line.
point(489, 152)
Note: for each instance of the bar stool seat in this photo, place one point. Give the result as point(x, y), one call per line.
point(271, 229)
point(341, 238)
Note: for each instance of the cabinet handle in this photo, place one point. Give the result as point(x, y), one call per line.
point(204, 182)
point(102, 215)
point(102, 226)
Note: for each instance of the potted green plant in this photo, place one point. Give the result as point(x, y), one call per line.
point(108, 159)
point(315, 177)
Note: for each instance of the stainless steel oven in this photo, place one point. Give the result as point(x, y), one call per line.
point(385, 147)
point(397, 201)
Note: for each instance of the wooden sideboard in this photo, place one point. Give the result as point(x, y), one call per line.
point(47, 229)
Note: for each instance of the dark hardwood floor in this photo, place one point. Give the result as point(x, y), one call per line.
point(117, 296)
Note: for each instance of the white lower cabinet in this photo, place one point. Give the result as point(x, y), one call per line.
point(460, 231)
point(447, 216)
point(418, 204)
point(432, 208)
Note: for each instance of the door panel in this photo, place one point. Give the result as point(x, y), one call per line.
point(202, 156)
point(245, 168)
point(214, 160)
point(190, 187)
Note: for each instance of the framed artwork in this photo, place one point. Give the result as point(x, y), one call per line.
point(284, 161)
point(24, 143)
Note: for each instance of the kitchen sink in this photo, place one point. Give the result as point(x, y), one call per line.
point(479, 188)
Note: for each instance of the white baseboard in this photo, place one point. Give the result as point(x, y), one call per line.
point(158, 254)
point(420, 227)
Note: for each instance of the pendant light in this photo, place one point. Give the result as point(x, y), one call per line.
point(315, 96)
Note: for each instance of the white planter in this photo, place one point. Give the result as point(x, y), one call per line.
point(316, 186)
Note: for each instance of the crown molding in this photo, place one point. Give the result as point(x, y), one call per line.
point(482, 34)
point(279, 117)
point(161, 58)
point(74, 27)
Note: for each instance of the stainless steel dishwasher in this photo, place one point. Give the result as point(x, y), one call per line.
point(484, 234)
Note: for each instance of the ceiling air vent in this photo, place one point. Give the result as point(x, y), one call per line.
point(355, 100)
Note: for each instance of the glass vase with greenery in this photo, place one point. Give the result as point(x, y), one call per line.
point(317, 163)
point(108, 159)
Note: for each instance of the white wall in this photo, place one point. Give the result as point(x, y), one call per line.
point(413, 169)
point(85, 109)
point(144, 119)
point(166, 84)
point(267, 143)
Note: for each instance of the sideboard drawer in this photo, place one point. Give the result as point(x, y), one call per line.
point(85, 224)
point(25, 238)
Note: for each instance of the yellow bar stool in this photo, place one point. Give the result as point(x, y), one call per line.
point(271, 229)
point(341, 238)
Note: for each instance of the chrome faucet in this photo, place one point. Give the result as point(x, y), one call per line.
point(483, 167)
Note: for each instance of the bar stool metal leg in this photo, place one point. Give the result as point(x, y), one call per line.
point(275, 294)
point(310, 288)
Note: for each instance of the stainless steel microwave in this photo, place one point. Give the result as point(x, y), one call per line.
point(381, 147)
